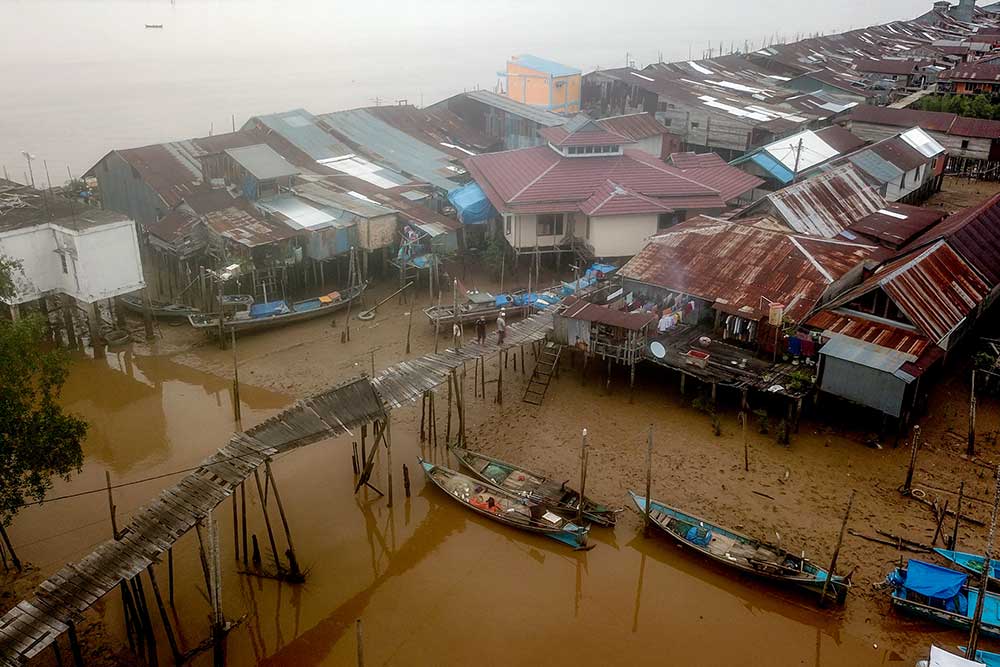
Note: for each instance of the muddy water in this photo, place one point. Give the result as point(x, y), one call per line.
point(432, 583)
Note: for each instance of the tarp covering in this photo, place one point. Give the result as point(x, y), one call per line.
point(471, 203)
point(933, 581)
point(269, 309)
point(779, 171)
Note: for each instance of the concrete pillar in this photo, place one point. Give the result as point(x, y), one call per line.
point(67, 305)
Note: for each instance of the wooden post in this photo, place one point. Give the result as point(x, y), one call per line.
point(361, 647)
point(364, 447)
point(409, 322)
point(218, 620)
point(836, 551)
point(437, 324)
point(170, 572)
point(499, 399)
point(236, 530)
point(237, 409)
point(139, 596)
point(460, 403)
point(649, 477)
point(292, 560)
point(147, 314)
point(57, 653)
point(111, 505)
point(243, 523)
point(74, 645)
point(387, 439)
point(423, 416)
point(583, 476)
point(908, 484)
point(433, 417)
point(267, 521)
point(972, 417)
point(746, 442)
point(475, 379)
point(406, 480)
point(980, 599)
point(953, 545)
point(447, 428)
point(167, 628)
point(482, 377)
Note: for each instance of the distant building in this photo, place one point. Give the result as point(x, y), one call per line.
point(543, 83)
point(971, 79)
point(591, 194)
point(512, 124)
point(785, 160)
point(69, 253)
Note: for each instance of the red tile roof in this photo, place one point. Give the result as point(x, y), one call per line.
point(975, 127)
point(634, 126)
point(741, 268)
point(591, 134)
point(535, 180)
point(711, 170)
point(613, 199)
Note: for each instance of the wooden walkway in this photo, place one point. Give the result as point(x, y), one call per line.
point(33, 625)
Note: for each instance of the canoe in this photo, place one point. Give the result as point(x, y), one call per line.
point(972, 563)
point(279, 313)
point(504, 507)
point(166, 311)
point(740, 552)
point(535, 486)
point(942, 595)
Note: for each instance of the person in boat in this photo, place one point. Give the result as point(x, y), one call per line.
point(501, 326)
point(481, 331)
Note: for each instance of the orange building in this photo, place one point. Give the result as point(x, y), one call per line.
point(543, 83)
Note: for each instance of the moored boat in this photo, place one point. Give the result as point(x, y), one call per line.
point(971, 563)
point(279, 313)
point(740, 552)
point(505, 507)
point(557, 497)
point(942, 595)
point(165, 311)
point(985, 657)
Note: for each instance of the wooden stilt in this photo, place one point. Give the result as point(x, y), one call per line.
point(406, 480)
point(482, 377)
point(649, 477)
point(433, 417)
point(500, 366)
point(170, 575)
point(243, 518)
point(460, 404)
point(971, 450)
point(447, 428)
point(361, 647)
point(168, 629)
point(583, 476)
point(423, 416)
point(236, 530)
point(74, 645)
point(267, 522)
point(832, 570)
point(984, 580)
point(203, 556)
point(132, 631)
point(387, 439)
point(218, 619)
point(293, 562)
point(57, 653)
point(908, 484)
point(953, 545)
point(144, 619)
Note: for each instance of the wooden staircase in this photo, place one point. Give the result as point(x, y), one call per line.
point(545, 368)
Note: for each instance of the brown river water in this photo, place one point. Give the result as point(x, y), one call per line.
point(432, 583)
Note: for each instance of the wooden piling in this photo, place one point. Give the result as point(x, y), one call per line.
point(971, 450)
point(267, 521)
point(168, 629)
point(387, 439)
point(145, 623)
point(746, 441)
point(482, 377)
point(236, 530)
point(218, 619)
point(203, 556)
point(243, 522)
point(406, 480)
point(423, 416)
point(447, 428)
point(170, 573)
point(293, 562)
point(977, 617)
point(74, 644)
point(433, 418)
point(460, 404)
point(649, 478)
point(499, 399)
point(111, 505)
point(908, 484)
point(361, 648)
point(583, 476)
point(831, 571)
point(437, 324)
point(953, 545)
point(409, 323)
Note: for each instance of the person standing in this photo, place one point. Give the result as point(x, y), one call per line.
point(456, 333)
point(481, 331)
point(501, 327)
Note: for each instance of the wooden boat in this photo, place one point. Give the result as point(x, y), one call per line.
point(984, 657)
point(279, 313)
point(535, 486)
point(740, 552)
point(505, 507)
point(165, 311)
point(488, 307)
point(942, 595)
point(971, 563)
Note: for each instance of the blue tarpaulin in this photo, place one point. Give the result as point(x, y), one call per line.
point(933, 581)
point(472, 204)
point(773, 167)
point(268, 309)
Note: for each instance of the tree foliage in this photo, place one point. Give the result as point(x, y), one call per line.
point(979, 106)
point(38, 440)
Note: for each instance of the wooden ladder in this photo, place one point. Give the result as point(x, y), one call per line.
point(545, 368)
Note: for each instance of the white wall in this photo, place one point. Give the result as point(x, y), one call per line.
point(622, 235)
point(651, 145)
point(101, 262)
point(523, 232)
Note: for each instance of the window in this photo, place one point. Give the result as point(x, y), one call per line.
point(507, 224)
point(62, 258)
point(695, 125)
point(668, 220)
point(661, 106)
point(549, 224)
point(667, 121)
point(965, 144)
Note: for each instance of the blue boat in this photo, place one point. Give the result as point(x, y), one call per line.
point(505, 507)
point(740, 552)
point(972, 563)
point(942, 595)
point(985, 657)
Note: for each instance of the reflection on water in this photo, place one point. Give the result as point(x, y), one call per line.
point(433, 582)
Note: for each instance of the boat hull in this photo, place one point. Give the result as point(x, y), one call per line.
point(805, 576)
point(941, 616)
point(557, 497)
point(240, 326)
point(509, 509)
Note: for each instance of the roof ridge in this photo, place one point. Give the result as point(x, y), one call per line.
point(533, 181)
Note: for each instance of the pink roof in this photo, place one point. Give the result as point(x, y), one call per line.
point(590, 134)
point(711, 170)
point(613, 199)
point(634, 126)
point(536, 180)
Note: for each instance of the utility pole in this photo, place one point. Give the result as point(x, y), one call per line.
point(798, 158)
point(29, 157)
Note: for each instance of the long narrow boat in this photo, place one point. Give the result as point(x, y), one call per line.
point(165, 311)
point(985, 657)
point(505, 507)
point(535, 486)
point(942, 595)
point(971, 563)
point(279, 313)
point(740, 552)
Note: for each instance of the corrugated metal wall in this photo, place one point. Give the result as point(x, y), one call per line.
point(122, 190)
point(867, 386)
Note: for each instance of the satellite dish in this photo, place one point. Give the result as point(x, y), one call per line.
point(656, 347)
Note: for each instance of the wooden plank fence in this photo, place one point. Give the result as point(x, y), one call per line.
point(59, 601)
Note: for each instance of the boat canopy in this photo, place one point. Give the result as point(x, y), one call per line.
point(933, 581)
point(473, 206)
point(268, 309)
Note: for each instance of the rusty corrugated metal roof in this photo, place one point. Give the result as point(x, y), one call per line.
point(974, 233)
point(741, 268)
point(242, 227)
point(589, 312)
point(634, 126)
point(856, 325)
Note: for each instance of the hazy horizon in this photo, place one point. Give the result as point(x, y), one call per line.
point(84, 76)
